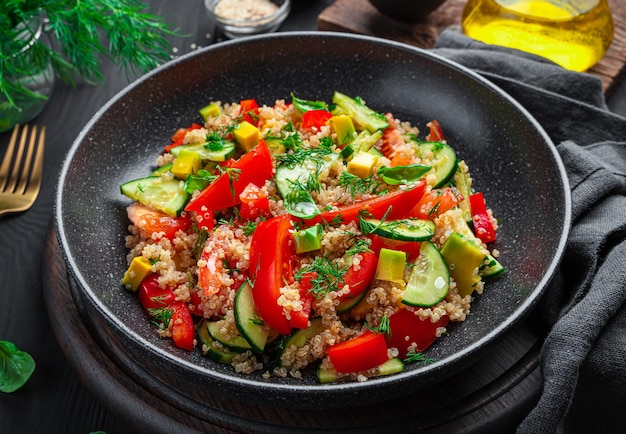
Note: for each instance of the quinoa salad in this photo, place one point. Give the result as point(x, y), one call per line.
point(308, 234)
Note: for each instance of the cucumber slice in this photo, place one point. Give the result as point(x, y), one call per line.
point(391, 366)
point(442, 159)
point(363, 116)
point(227, 151)
point(235, 343)
point(411, 229)
point(300, 337)
point(349, 303)
point(158, 193)
point(250, 326)
point(490, 268)
point(220, 355)
point(463, 184)
point(429, 281)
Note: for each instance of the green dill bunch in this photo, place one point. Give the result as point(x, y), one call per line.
point(83, 33)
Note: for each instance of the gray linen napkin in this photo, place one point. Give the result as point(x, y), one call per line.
point(583, 359)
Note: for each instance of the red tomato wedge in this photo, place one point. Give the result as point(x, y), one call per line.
point(300, 318)
point(182, 326)
point(436, 202)
point(271, 256)
point(366, 351)
point(249, 111)
point(411, 248)
point(315, 119)
point(395, 205)
point(407, 328)
point(254, 167)
point(254, 202)
point(483, 227)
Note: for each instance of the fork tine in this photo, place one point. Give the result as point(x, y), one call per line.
point(34, 180)
point(27, 167)
point(8, 157)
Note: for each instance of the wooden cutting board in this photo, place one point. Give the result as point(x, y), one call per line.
point(359, 16)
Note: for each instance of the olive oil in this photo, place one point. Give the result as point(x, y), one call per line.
point(575, 34)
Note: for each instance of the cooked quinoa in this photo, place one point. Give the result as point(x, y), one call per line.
point(207, 260)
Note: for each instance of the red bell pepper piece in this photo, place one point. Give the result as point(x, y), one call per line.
point(394, 206)
point(179, 136)
point(249, 111)
point(363, 352)
point(182, 326)
point(436, 202)
point(253, 167)
point(483, 227)
point(359, 280)
point(271, 265)
point(315, 119)
point(435, 133)
point(300, 318)
point(254, 203)
point(411, 248)
point(406, 328)
point(152, 296)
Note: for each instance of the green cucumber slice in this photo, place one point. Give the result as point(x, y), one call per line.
point(411, 229)
point(227, 151)
point(391, 366)
point(300, 337)
point(235, 343)
point(429, 281)
point(220, 355)
point(443, 160)
point(490, 268)
point(349, 303)
point(159, 193)
point(248, 322)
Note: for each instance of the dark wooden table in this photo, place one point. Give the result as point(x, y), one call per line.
point(55, 400)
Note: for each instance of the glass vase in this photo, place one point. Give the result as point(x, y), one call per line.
point(28, 74)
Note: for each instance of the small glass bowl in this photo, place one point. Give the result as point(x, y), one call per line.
point(235, 27)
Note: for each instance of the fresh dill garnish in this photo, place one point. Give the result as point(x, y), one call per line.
point(162, 316)
point(299, 156)
point(154, 261)
point(413, 356)
point(233, 175)
point(367, 228)
point(160, 299)
point(382, 328)
point(214, 141)
point(359, 186)
point(326, 274)
point(249, 227)
point(361, 245)
point(198, 245)
point(85, 34)
point(229, 269)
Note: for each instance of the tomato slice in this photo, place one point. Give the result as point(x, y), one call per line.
point(436, 202)
point(407, 328)
point(300, 318)
point(182, 326)
point(363, 352)
point(249, 111)
point(271, 264)
point(392, 206)
point(152, 296)
point(483, 227)
point(359, 280)
point(315, 119)
point(253, 167)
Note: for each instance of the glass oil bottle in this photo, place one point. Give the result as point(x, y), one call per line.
point(575, 34)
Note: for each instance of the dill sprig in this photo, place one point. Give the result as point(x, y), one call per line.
point(86, 32)
point(327, 275)
point(413, 356)
point(359, 186)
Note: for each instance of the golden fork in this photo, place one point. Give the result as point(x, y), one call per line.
point(21, 170)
